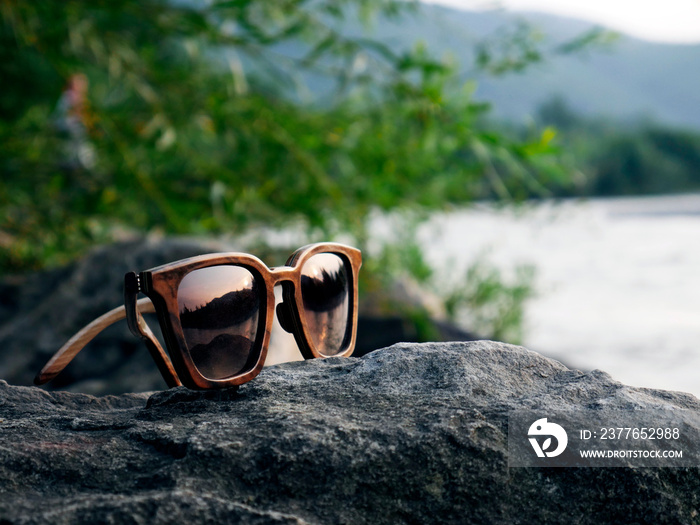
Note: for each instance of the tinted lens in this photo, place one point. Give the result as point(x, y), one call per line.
point(326, 295)
point(219, 310)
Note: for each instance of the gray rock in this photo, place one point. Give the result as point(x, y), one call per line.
point(408, 434)
point(39, 312)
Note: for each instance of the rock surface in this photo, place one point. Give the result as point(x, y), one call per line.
point(39, 312)
point(408, 434)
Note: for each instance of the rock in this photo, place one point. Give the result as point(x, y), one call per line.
point(412, 433)
point(39, 312)
point(380, 331)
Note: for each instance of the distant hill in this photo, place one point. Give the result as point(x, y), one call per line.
point(634, 79)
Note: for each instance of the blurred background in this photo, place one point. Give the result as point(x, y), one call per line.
point(527, 171)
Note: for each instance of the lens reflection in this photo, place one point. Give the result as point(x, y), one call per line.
point(326, 297)
point(219, 310)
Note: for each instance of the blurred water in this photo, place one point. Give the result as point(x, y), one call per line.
point(618, 280)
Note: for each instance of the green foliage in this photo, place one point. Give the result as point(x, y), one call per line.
point(487, 300)
point(193, 118)
point(649, 161)
point(510, 51)
point(624, 159)
point(200, 117)
point(514, 49)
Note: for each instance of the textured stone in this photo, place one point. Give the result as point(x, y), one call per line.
point(39, 312)
point(408, 434)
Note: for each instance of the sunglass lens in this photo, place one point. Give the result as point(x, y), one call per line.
point(219, 313)
point(325, 290)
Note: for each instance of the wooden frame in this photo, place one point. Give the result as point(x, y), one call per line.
point(161, 285)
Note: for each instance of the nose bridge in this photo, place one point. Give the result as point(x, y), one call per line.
point(282, 274)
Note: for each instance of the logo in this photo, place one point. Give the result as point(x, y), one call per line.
point(551, 430)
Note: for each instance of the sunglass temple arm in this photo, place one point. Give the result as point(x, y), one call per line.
point(86, 334)
point(75, 344)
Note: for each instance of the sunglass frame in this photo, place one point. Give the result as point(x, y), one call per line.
point(161, 285)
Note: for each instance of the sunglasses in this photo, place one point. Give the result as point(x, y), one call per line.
point(215, 312)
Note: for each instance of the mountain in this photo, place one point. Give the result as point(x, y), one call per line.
point(223, 312)
point(632, 79)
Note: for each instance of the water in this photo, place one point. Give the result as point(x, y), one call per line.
point(618, 281)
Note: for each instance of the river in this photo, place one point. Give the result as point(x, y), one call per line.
point(617, 280)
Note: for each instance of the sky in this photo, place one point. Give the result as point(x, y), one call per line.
point(672, 21)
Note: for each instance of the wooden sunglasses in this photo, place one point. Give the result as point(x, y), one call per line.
point(215, 312)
